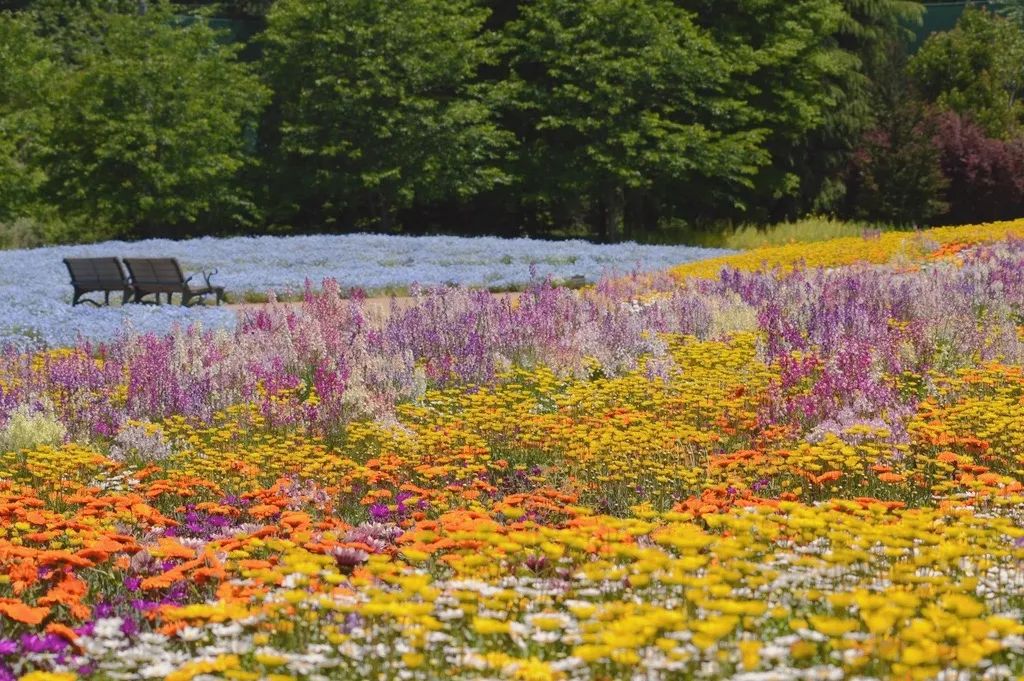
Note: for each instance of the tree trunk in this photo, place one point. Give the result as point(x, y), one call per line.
point(636, 214)
point(612, 209)
point(383, 212)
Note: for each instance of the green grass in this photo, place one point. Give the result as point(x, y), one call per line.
point(746, 237)
point(802, 231)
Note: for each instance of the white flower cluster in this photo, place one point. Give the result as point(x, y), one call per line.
point(36, 295)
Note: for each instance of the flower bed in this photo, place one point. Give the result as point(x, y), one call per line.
point(811, 474)
point(37, 295)
point(883, 247)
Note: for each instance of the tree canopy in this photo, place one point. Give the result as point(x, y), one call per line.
point(149, 126)
point(602, 118)
point(976, 70)
point(379, 106)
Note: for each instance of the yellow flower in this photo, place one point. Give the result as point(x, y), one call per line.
point(488, 626)
point(833, 626)
point(271, 659)
point(413, 660)
point(750, 654)
point(591, 653)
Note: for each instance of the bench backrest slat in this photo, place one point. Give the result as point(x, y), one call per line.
point(155, 272)
point(95, 271)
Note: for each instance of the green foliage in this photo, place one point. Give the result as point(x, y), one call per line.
point(380, 106)
point(78, 26)
point(875, 34)
point(619, 101)
point(797, 77)
point(977, 70)
point(148, 130)
point(27, 71)
point(240, 9)
point(810, 229)
point(602, 118)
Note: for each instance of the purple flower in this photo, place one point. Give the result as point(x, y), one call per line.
point(47, 643)
point(140, 605)
point(379, 512)
point(8, 647)
point(129, 627)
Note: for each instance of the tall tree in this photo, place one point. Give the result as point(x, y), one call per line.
point(876, 34)
point(379, 107)
point(976, 70)
point(619, 103)
point(149, 132)
point(812, 68)
point(28, 73)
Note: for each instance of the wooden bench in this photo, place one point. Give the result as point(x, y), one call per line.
point(153, 276)
point(97, 274)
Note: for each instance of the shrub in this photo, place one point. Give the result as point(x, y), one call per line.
point(21, 233)
point(30, 427)
point(985, 175)
point(895, 175)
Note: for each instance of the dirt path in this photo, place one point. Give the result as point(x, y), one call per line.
point(377, 308)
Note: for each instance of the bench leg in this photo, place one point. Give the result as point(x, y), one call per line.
point(78, 299)
point(106, 298)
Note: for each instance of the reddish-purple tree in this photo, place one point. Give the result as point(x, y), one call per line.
point(985, 175)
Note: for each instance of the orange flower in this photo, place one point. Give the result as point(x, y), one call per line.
point(827, 476)
point(64, 631)
point(264, 511)
point(23, 574)
point(20, 612)
point(169, 548)
point(295, 519)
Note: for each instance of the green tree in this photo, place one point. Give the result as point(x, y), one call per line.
point(78, 26)
point(149, 131)
point(795, 78)
point(1013, 10)
point(813, 62)
point(876, 34)
point(27, 73)
point(379, 107)
point(623, 104)
point(977, 70)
